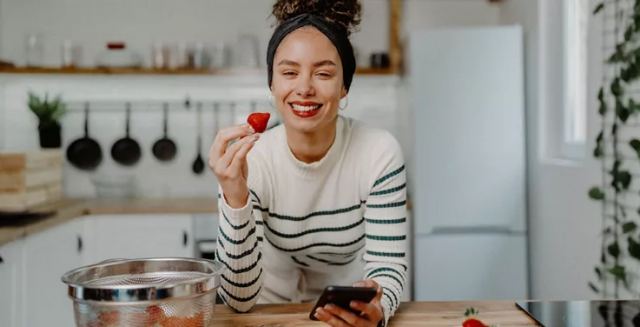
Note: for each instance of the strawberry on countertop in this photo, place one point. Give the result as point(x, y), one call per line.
point(472, 321)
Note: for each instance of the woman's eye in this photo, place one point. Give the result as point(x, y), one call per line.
point(327, 75)
point(289, 73)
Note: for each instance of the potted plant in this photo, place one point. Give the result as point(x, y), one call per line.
point(48, 112)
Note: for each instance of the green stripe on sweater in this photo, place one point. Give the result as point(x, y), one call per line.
point(232, 225)
point(386, 238)
point(393, 294)
point(241, 270)
point(316, 244)
point(315, 230)
point(230, 240)
point(387, 176)
point(390, 276)
point(317, 213)
point(386, 221)
point(241, 299)
point(391, 190)
point(331, 263)
point(382, 269)
point(243, 285)
point(387, 254)
point(387, 205)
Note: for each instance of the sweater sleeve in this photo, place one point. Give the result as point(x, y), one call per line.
point(386, 226)
point(239, 247)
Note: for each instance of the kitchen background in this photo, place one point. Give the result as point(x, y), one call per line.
point(562, 224)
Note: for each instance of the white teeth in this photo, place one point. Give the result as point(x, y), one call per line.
point(304, 108)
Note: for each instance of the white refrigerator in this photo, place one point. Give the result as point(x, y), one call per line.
point(468, 175)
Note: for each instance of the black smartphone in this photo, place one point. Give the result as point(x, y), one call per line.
point(342, 296)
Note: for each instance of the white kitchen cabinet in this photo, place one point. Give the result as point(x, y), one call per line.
point(10, 281)
point(48, 255)
point(138, 236)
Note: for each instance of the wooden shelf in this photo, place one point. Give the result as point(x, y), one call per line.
point(151, 71)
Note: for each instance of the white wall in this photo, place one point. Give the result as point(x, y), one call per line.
point(564, 224)
point(139, 23)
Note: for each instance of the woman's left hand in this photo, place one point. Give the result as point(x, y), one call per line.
point(371, 313)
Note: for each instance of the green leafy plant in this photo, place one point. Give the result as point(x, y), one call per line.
point(620, 234)
point(48, 111)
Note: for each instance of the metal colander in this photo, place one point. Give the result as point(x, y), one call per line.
point(145, 292)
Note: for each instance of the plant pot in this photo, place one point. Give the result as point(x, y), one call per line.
point(49, 135)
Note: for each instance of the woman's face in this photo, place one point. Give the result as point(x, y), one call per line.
point(307, 82)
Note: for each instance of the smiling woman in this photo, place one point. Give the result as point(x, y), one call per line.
point(321, 199)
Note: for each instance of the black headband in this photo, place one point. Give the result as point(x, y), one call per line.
point(335, 33)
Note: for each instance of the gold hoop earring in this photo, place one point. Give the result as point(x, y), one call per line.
point(346, 103)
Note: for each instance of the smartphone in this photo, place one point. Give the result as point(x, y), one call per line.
point(342, 296)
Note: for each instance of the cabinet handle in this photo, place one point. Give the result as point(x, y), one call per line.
point(185, 238)
point(79, 243)
point(1, 260)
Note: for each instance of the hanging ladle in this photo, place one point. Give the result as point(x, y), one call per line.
point(198, 164)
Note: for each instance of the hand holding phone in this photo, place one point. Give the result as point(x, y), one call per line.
point(343, 295)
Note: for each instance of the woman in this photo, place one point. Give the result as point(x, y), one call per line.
point(319, 200)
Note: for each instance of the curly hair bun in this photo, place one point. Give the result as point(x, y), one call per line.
point(345, 13)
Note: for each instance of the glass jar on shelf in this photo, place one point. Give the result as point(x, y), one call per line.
point(116, 55)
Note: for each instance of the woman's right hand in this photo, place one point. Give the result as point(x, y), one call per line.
point(229, 162)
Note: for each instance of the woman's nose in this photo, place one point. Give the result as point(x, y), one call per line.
point(304, 87)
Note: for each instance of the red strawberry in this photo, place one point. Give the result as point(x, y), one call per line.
point(472, 322)
point(259, 120)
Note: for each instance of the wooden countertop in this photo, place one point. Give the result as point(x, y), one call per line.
point(68, 209)
point(499, 313)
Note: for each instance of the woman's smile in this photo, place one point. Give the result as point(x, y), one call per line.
point(305, 109)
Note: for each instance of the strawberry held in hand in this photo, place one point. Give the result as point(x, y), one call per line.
point(259, 120)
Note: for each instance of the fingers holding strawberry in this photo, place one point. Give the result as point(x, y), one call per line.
point(228, 162)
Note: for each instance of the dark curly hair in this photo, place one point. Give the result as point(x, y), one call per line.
point(346, 13)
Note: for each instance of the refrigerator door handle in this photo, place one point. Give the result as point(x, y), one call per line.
point(481, 229)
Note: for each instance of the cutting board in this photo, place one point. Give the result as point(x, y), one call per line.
point(29, 179)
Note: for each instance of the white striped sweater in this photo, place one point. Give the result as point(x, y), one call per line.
point(306, 226)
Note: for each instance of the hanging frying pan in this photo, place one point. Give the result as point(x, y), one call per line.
point(165, 149)
point(126, 151)
point(85, 153)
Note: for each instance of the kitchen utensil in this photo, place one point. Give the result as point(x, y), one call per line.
point(145, 292)
point(198, 164)
point(126, 151)
point(165, 149)
point(85, 153)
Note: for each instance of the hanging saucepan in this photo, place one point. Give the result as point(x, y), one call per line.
point(126, 151)
point(85, 153)
point(165, 149)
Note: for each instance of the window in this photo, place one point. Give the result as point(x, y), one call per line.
point(576, 14)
